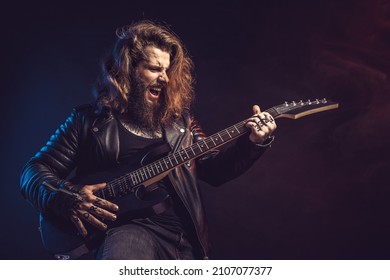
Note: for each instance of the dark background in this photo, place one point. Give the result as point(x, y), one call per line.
point(320, 192)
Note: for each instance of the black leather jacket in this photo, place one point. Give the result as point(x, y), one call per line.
point(89, 140)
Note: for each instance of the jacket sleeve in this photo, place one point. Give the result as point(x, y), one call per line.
point(52, 164)
point(221, 166)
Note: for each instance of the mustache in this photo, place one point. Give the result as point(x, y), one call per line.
point(162, 85)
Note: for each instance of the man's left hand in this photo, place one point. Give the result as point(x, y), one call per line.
point(262, 126)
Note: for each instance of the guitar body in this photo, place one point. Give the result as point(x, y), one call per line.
point(60, 236)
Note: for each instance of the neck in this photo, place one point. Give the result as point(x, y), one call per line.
point(136, 129)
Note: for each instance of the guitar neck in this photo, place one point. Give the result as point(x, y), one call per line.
point(126, 183)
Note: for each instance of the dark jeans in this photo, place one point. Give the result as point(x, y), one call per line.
point(144, 240)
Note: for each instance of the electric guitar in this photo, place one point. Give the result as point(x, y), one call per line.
point(133, 190)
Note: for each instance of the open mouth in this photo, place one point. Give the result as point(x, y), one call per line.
point(155, 91)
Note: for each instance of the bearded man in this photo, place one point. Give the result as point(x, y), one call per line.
point(143, 96)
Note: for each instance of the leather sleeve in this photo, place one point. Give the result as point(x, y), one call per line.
point(231, 161)
point(53, 163)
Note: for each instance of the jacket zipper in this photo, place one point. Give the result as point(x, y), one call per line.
point(178, 144)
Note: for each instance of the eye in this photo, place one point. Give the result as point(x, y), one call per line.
point(154, 69)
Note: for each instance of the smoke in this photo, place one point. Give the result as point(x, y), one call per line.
point(351, 59)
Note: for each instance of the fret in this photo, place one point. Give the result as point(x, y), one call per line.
point(159, 163)
point(140, 175)
point(115, 190)
point(166, 164)
point(170, 160)
point(112, 191)
point(192, 150)
point(136, 173)
point(199, 150)
point(181, 157)
point(199, 147)
point(150, 175)
point(145, 171)
point(220, 137)
point(121, 187)
point(106, 193)
point(115, 186)
point(186, 153)
point(150, 167)
point(155, 167)
point(102, 194)
point(144, 174)
point(213, 141)
point(126, 187)
point(132, 179)
point(158, 167)
point(228, 133)
point(204, 141)
point(176, 159)
point(236, 129)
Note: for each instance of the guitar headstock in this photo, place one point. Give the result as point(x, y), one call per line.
point(295, 110)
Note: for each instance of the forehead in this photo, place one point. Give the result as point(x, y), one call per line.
point(157, 56)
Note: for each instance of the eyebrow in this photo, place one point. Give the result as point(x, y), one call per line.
point(157, 65)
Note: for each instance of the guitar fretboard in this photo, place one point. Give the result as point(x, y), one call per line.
point(126, 183)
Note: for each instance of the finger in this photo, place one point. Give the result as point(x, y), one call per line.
point(78, 223)
point(99, 186)
point(88, 190)
point(102, 203)
point(253, 125)
point(265, 131)
point(88, 217)
point(96, 210)
point(271, 124)
point(255, 119)
point(100, 212)
point(257, 131)
point(269, 117)
point(256, 109)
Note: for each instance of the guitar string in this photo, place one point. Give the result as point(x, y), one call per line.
point(209, 142)
point(157, 165)
point(142, 174)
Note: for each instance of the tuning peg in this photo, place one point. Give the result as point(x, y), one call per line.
point(308, 101)
point(293, 103)
point(317, 101)
point(286, 103)
point(300, 102)
point(324, 100)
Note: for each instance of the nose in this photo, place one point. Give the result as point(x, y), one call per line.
point(163, 77)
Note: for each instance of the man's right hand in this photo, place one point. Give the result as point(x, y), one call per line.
point(92, 208)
